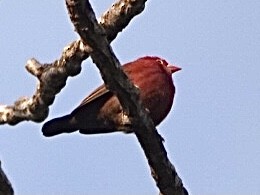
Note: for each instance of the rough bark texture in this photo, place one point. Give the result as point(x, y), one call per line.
point(93, 35)
point(52, 77)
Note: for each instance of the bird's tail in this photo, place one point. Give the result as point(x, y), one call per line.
point(60, 125)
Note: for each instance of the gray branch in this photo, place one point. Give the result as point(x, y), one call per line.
point(94, 35)
point(52, 77)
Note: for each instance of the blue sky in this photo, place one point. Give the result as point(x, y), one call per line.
point(212, 133)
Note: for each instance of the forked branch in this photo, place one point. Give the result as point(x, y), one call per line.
point(52, 77)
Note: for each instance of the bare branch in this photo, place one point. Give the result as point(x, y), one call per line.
point(5, 185)
point(93, 34)
point(52, 77)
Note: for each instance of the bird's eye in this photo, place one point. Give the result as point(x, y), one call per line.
point(162, 62)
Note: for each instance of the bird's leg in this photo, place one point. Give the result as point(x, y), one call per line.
point(125, 122)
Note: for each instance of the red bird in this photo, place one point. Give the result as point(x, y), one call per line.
point(101, 111)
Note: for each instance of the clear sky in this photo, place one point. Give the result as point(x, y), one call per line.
point(212, 134)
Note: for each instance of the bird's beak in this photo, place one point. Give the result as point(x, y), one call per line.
point(173, 68)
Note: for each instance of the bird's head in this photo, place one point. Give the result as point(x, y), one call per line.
point(168, 67)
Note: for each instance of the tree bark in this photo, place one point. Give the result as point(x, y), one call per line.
point(52, 77)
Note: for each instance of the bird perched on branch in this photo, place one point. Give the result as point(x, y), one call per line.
point(101, 111)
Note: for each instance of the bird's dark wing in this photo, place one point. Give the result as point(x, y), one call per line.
point(100, 93)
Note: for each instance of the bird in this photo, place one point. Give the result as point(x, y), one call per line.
point(101, 111)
